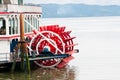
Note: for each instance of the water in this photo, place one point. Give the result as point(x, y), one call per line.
point(99, 57)
point(40, 74)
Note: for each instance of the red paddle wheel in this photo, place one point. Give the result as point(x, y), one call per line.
point(57, 41)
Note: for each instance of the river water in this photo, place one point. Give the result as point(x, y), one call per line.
point(98, 40)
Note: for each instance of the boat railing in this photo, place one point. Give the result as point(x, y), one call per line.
point(19, 8)
point(4, 57)
point(3, 8)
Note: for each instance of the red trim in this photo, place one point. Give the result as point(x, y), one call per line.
point(3, 37)
point(20, 12)
point(4, 12)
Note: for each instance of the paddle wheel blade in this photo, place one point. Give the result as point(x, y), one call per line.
point(53, 39)
point(70, 39)
point(71, 45)
point(68, 59)
point(61, 65)
point(73, 51)
point(64, 62)
point(67, 32)
point(61, 29)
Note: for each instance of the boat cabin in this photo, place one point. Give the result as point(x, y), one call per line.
point(10, 11)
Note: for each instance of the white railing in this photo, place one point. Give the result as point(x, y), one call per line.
point(3, 8)
point(4, 57)
point(20, 8)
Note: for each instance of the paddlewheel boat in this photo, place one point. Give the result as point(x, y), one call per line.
point(48, 46)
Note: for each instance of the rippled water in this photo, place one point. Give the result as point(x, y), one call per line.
point(40, 74)
point(99, 57)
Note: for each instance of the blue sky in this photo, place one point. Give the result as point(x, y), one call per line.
point(100, 2)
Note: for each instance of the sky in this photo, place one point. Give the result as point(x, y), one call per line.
point(98, 2)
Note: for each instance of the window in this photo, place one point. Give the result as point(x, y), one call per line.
point(13, 28)
point(34, 22)
point(16, 26)
point(2, 26)
point(29, 29)
point(20, 2)
point(25, 27)
point(0, 1)
point(10, 29)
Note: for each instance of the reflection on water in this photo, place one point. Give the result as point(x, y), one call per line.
point(41, 74)
point(54, 74)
